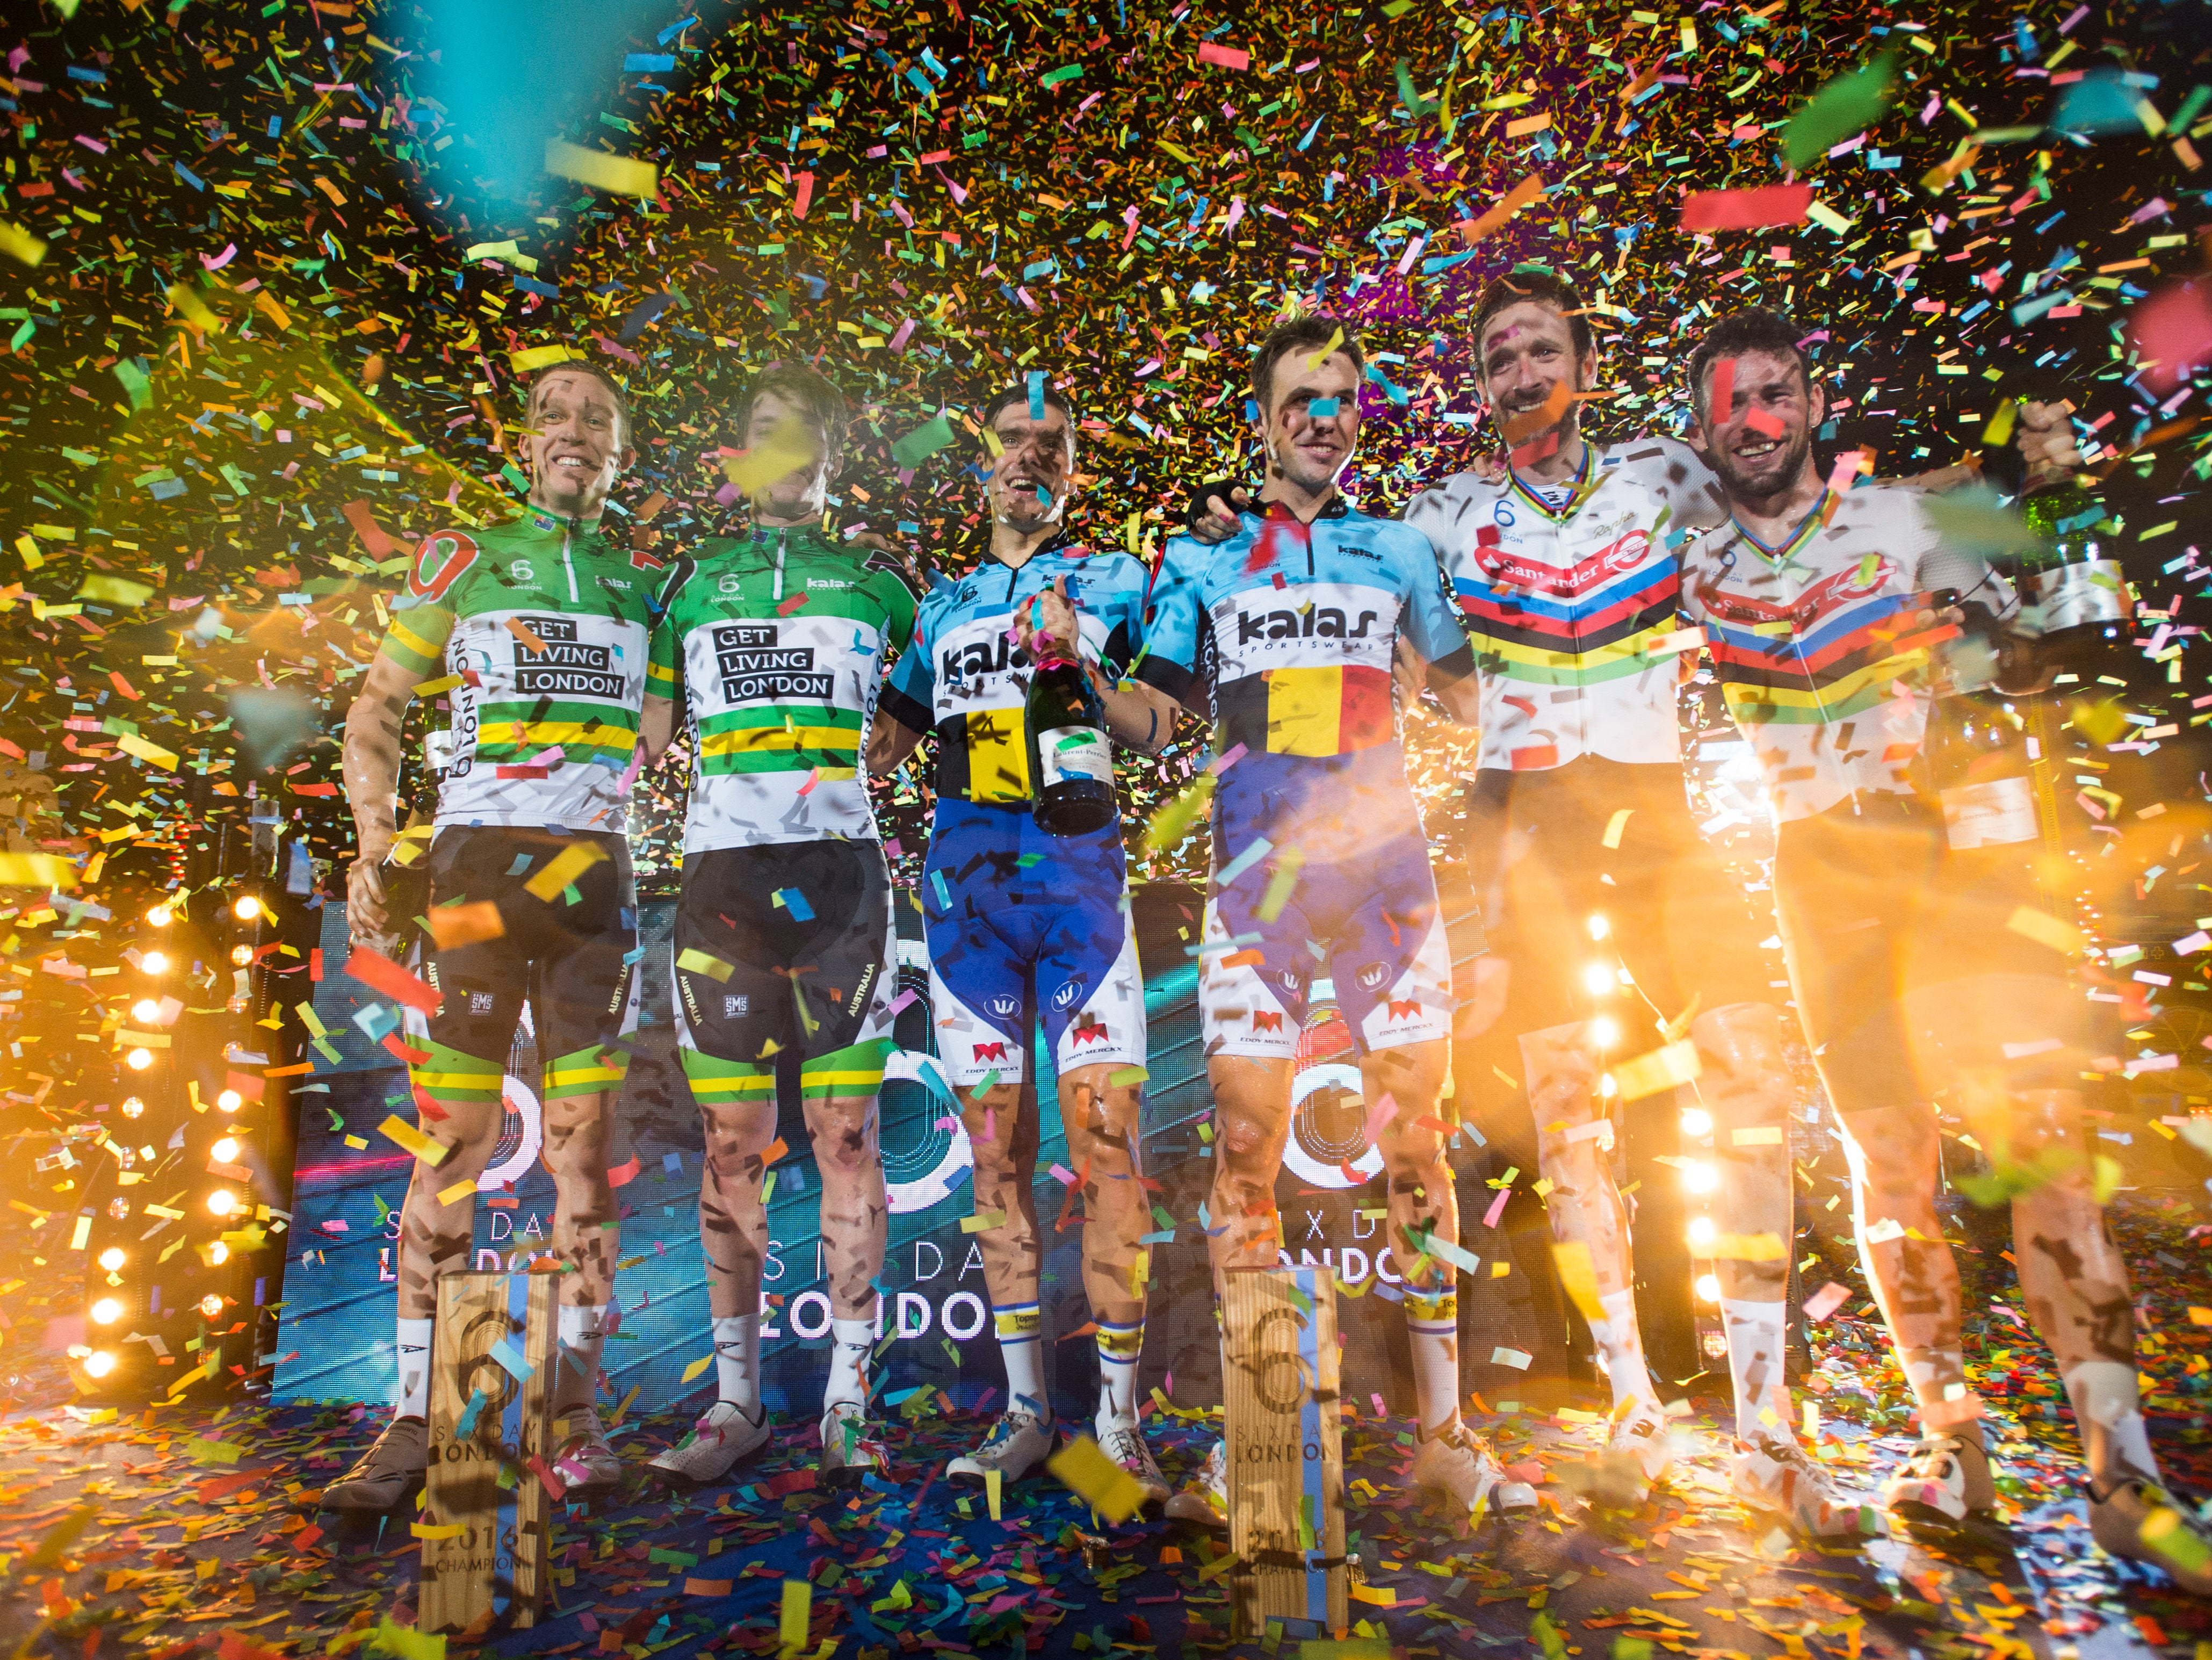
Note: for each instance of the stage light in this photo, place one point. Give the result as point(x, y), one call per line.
point(1599, 927)
point(1604, 1032)
point(1701, 1178)
point(220, 1201)
point(132, 1107)
point(1709, 1288)
point(1608, 1087)
point(146, 1011)
point(230, 1100)
point(241, 955)
point(218, 1254)
point(1701, 1232)
point(1696, 1121)
point(211, 1305)
point(160, 916)
point(112, 1258)
point(1598, 979)
point(153, 962)
point(139, 1059)
point(99, 1364)
point(106, 1311)
point(225, 1150)
point(246, 908)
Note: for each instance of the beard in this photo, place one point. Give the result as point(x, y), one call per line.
point(1767, 479)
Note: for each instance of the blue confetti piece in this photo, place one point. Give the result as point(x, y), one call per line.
point(1321, 409)
point(521, 864)
point(465, 1426)
point(937, 881)
point(510, 1357)
point(795, 902)
point(1036, 394)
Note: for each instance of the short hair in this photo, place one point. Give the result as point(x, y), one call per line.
point(1755, 328)
point(1308, 334)
point(605, 376)
point(1545, 289)
point(795, 383)
point(1049, 393)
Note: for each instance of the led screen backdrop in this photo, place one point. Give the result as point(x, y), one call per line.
point(341, 1283)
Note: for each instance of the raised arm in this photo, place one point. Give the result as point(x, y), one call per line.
point(890, 740)
point(370, 765)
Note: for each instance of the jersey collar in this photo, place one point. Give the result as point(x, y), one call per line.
point(1335, 507)
point(1807, 527)
point(1061, 544)
point(1584, 481)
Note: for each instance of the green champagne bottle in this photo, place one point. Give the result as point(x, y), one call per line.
point(1070, 759)
point(2077, 603)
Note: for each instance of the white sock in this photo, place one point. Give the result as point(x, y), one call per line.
point(1021, 1345)
point(851, 1339)
point(1622, 1345)
point(2104, 1393)
point(737, 1361)
point(1119, 1348)
point(414, 1369)
point(582, 1332)
point(1756, 1334)
point(1432, 1332)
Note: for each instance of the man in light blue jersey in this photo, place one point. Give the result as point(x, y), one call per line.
point(1019, 919)
point(1286, 636)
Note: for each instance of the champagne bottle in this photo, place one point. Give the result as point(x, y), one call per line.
point(2078, 606)
point(1980, 760)
point(1071, 761)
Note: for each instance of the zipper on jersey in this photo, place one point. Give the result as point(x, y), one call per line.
point(568, 560)
point(782, 536)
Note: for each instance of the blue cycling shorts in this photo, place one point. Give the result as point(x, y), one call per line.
point(1362, 907)
point(1021, 925)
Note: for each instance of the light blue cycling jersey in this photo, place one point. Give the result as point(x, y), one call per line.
point(1296, 626)
point(965, 679)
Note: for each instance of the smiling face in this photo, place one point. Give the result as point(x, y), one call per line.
point(1526, 354)
point(1030, 481)
point(578, 446)
point(1309, 449)
point(1760, 442)
point(792, 426)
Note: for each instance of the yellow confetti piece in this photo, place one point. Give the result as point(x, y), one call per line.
point(36, 869)
point(526, 361)
point(1614, 825)
point(696, 1367)
point(2045, 930)
point(994, 1484)
point(1096, 1480)
point(798, 1603)
point(621, 175)
point(1661, 1070)
point(20, 244)
point(567, 864)
point(1757, 1136)
point(431, 1153)
point(788, 447)
point(460, 1189)
point(436, 1529)
point(1578, 1274)
point(983, 1221)
point(1322, 355)
point(1747, 1247)
point(115, 590)
point(152, 754)
point(694, 961)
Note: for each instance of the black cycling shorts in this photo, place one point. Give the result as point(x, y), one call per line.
point(783, 946)
point(575, 959)
point(1914, 966)
point(1681, 924)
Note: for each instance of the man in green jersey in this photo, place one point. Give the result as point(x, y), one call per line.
point(536, 630)
point(783, 934)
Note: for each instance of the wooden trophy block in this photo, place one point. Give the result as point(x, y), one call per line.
point(1285, 1444)
point(486, 1517)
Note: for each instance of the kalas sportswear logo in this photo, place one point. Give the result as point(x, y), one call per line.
point(826, 582)
point(1319, 623)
